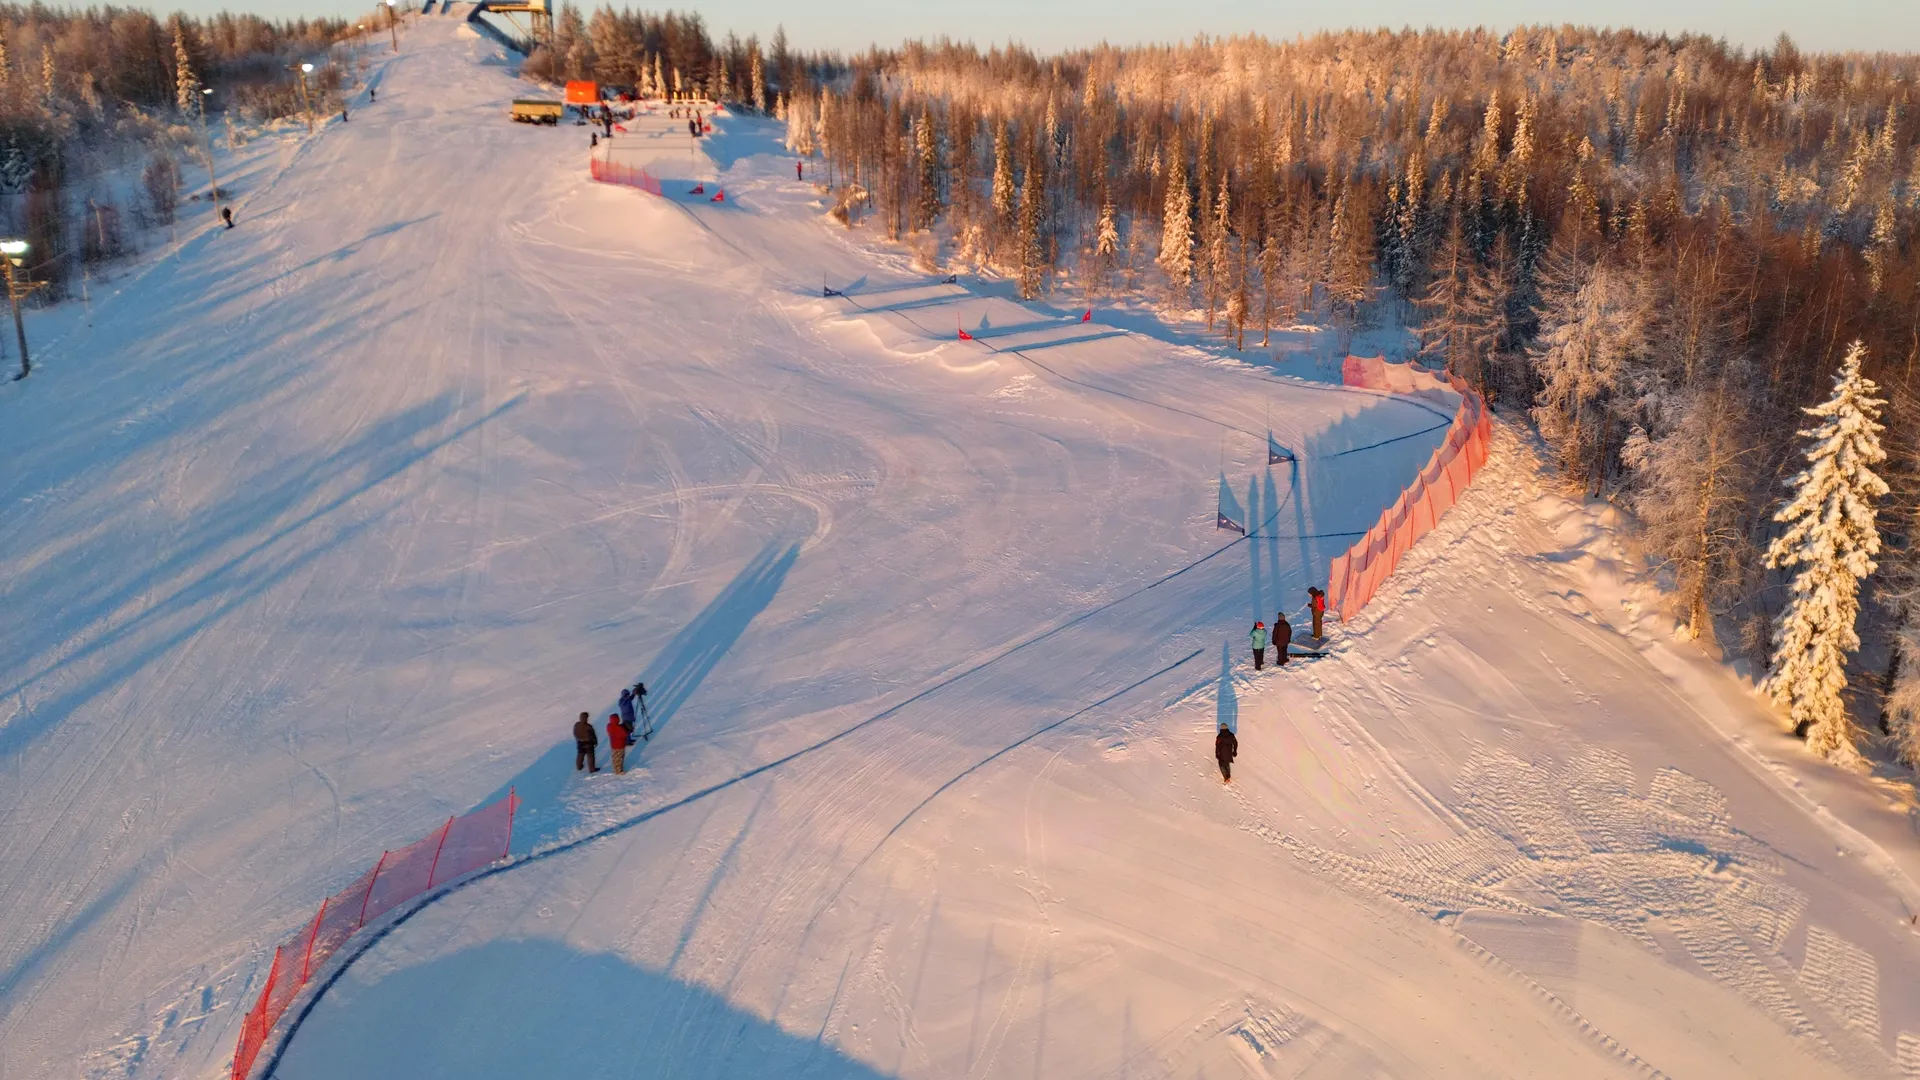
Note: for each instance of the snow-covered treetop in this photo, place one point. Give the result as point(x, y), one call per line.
point(1832, 513)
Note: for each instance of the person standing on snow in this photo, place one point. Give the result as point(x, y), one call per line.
point(626, 712)
point(1259, 637)
point(797, 166)
point(226, 215)
point(617, 740)
point(1282, 637)
point(1226, 747)
point(584, 741)
point(1317, 603)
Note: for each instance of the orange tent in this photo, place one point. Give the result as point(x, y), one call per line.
point(583, 93)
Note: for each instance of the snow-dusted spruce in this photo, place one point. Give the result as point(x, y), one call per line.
point(1831, 539)
point(1176, 230)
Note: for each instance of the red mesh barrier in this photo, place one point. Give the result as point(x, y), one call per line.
point(473, 841)
point(610, 172)
point(461, 846)
point(1356, 576)
point(404, 874)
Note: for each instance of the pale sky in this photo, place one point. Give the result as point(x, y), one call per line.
point(1046, 25)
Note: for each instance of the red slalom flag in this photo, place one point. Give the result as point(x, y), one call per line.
point(720, 195)
point(964, 336)
point(698, 189)
point(1088, 317)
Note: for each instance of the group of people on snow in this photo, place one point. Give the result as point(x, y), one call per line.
point(1281, 636)
point(620, 725)
point(1226, 744)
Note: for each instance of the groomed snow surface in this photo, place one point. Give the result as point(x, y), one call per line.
point(329, 526)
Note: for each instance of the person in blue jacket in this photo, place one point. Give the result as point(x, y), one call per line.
point(626, 712)
point(1259, 637)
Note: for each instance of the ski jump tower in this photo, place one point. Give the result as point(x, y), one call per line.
point(531, 20)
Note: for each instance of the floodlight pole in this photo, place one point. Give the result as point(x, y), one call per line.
point(14, 251)
point(206, 136)
point(306, 102)
point(393, 31)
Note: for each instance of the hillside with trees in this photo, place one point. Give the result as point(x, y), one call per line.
point(1659, 250)
point(101, 109)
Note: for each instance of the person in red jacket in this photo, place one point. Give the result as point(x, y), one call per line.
point(617, 742)
point(1317, 603)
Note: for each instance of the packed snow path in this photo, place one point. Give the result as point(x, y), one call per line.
point(334, 522)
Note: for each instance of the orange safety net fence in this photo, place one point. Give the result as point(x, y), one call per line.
point(1357, 575)
point(461, 846)
point(609, 172)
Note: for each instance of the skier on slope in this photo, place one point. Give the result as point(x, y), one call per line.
point(617, 740)
point(226, 215)
point(1317, 603)
point(1226, 747)
point(1282, 637)
point(626, 712)
point(584, 741)
point(1259, 637)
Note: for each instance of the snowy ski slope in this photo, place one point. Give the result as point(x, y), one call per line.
point(331, 524)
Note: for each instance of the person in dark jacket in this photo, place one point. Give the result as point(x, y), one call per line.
point(617, 740)
point(1282, 637)
point(1259, 638)
point(1226, 747)
point(226, 215)
point(584, 741)
point(626, 712)
point(1317, 603)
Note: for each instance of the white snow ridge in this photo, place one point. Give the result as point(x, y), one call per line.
point(328, 528)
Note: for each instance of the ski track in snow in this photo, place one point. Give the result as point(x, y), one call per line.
point(328, 525)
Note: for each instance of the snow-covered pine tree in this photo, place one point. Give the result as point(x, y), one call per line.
point(1593, 329)
point(1176, 229)
point(1106, 244)
point(1830, 543)
point(186, 88)
point(759, 80)
point(1880, 245)
point(1219, 279)
point(1003, 188)
point(926, 149)
point(1033, 205)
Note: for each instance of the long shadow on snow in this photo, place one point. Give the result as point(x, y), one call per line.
point(198, 598)
point(672, 678)
point(514, 1009)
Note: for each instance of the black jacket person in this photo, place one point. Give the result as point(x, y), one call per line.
point(585, 739)
point(1226, 747)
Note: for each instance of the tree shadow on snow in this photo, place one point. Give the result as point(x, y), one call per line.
point(537, 1007)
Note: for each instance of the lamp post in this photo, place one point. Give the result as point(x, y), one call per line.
point(305, 103)
point(392, 31)
point(15, 252)
point(213, 181)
